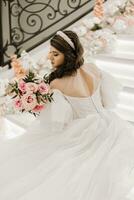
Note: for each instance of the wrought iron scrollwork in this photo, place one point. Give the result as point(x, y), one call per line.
point(10, 48)
point(30, 18)
point(6, 1)
point(73, 3)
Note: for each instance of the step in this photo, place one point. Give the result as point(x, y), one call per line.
point(126, 37)
point(118, 66)
point(121, 55)
point(40, 53)
point(125, 43)
point(124, 80)
point(126, 97)
point(6, 74)
point(125, 112)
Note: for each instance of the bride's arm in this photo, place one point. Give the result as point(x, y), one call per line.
point(110, 90)
point(110, 86)
point(57, 114)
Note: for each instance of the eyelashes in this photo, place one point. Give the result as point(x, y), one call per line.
point(53, 54)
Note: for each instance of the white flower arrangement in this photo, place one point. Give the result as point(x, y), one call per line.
point(99, 34)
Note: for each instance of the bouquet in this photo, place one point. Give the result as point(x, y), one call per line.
point(30, 93)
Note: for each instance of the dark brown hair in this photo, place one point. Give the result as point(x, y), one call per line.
point(73, 58)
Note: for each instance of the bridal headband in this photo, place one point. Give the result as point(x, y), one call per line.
point(66, 38)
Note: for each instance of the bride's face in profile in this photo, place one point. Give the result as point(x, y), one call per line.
point(56, 57)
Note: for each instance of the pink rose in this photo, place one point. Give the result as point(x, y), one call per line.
point(18, 103)
point(130, 22)
point(43, 88)
point(22, 86)
point(38, 108)
point(31, 87)
point(29, 101)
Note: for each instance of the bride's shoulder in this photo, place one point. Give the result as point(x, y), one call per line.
point(57, 84)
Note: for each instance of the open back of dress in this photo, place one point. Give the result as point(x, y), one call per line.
point(82, 84)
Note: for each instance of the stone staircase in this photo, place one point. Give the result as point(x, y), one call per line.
point(120, 63)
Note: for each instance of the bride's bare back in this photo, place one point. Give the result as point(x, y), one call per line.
point(82, 84)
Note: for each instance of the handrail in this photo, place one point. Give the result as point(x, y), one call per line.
point(31, 23)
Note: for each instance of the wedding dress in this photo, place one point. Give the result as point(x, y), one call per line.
point(78, 149)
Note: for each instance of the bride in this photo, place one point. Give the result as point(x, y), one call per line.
point(78, 148)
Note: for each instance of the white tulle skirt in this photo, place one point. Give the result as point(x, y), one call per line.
point(92, 159)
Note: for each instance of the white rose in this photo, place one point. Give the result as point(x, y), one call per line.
point(88, 23)
point(96, 20)
point(119, 25)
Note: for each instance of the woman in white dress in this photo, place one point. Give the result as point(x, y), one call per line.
point(78, 148)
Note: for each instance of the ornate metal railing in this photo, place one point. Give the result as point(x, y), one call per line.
point(24, 24)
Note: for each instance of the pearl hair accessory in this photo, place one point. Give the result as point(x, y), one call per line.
point(66, 38)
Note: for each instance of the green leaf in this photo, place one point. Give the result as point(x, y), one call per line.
point(14, 96)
